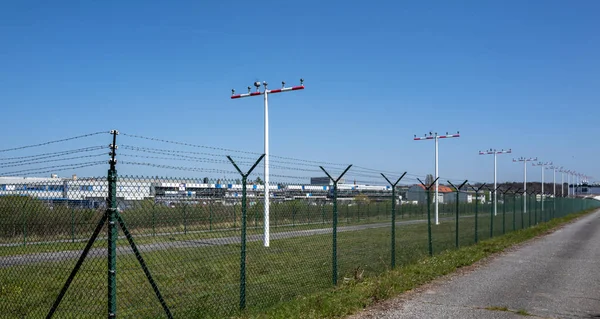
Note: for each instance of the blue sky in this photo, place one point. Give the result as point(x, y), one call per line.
point(506, 74)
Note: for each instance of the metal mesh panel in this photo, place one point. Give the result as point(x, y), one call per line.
point(195, 246)
point(41, 237)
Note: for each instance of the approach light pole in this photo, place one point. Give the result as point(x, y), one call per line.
point(495, 152)
point(265, 93)
point(571, 182)
point(562, 181)
point(436, 137)
point(553, 168)
point(525, 160)
point(543, 165)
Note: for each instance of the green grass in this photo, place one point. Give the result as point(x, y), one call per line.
point(292, 277)
point(165, 234)
point(496, 308)
point(27, 221)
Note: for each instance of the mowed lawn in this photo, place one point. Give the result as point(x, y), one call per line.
point(205, 281)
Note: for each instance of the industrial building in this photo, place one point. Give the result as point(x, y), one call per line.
point(93, 191)
point(417, 194)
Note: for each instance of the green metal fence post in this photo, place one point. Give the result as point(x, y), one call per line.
point(112, 232)
point(243, 247)
point(477, 211)
point(109, 215)
point(492, 214)
point(393, 248)
point(514, 213)
point(504, 209)
point(515, 209)
point(243, 235)
point(457, 209)
point(476, 217)
point(529, 208)
point(524, 195)
point(536, 206)
point(334, 226)
point(429, 237)
point(553, 209)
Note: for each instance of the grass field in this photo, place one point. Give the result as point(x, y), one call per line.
point(204, 280)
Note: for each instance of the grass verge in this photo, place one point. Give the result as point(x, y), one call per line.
point(353, 296)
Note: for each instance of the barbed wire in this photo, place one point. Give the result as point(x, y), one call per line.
point(65, 169)
point(30, 162)
point(289, 162)
point(170, 152)
point(185, 158)
point(182, 168)
point(53, 154)
point(173, 152)
point(274, 158)
point(364, 172)
point(210, 160)
point(226, 149)
point(52, 142)
point(54, 168)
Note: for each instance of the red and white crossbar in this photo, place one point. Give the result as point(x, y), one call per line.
point(495, 152)
point(256, 93)
point(522, 159)
point(431, 137)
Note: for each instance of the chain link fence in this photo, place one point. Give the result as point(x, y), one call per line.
point(151, 247)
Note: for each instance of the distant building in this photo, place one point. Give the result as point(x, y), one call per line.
point(324, 181)
point(585, 189)
point(446, 195)
point(416, 193)
point(463, 197)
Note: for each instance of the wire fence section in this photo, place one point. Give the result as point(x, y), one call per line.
point(196, 247)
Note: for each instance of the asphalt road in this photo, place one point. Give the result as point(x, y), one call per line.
point(555, 276)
